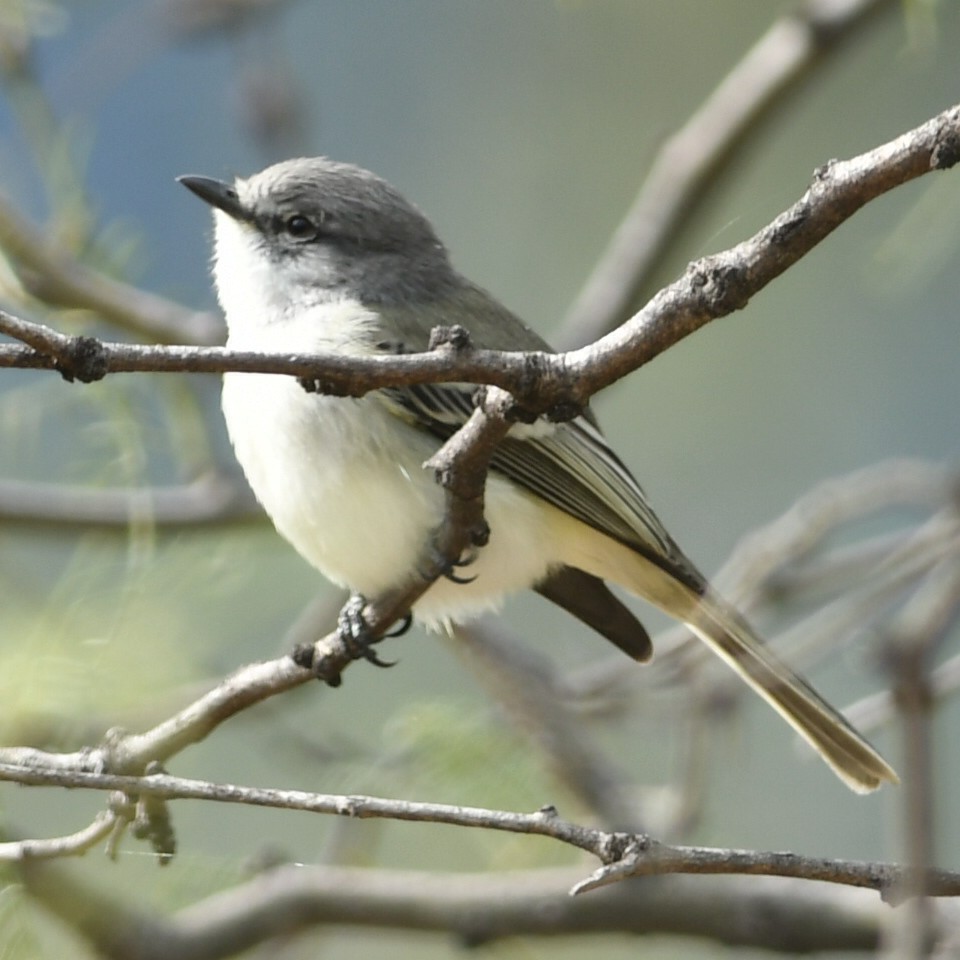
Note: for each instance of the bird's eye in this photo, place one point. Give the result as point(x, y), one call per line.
point(300, 227)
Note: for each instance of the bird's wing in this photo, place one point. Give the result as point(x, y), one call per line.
point(568, 465)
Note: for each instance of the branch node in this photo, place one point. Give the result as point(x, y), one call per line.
point(720, 284)
point(455, 338)
point(564, 411)
point(81, 358)
point(302, 655)
point(327, 669)
point(785, 227)
point(506, 406)
point(623, 847)
point(946, 150)
point(109, 758)
point(350, 806)
point(323, 663)
point(825, 171)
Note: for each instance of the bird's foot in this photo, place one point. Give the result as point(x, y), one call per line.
point(355, 634)
point(464, 561)
point(448, 568)
point(353, 630)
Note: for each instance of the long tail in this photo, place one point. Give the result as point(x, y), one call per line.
point(853, 760)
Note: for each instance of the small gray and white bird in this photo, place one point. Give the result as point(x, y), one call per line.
point(313, 255)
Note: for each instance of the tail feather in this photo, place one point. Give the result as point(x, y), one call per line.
point(683, 594)
point(857, 764)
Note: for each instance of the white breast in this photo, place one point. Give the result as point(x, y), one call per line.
point(343, 479)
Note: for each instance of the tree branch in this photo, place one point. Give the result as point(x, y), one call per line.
point(71, 845)
point(54, 276)
point(717, 285)
point(132, 753)
point(211, 498)
point(690, 160)
point(763, 912)
point(710, 288)
point(624, 855)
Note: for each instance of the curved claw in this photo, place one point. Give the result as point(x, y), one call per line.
point(355, 634)
point(453, 578)
point(464, 561)
point(403, 627)
point(371, 656)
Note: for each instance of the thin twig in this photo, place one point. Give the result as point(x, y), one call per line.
point(71, 845)
point(59, 279)
point(624, 855)
point(890, 880)
point(212, 498)
point(911, 641)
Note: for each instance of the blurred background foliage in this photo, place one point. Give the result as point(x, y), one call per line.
point(523, 129)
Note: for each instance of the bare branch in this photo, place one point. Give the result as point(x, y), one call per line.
point(689, 161)
point(605, 845)
point(210, 499)
point(72, 845)
point(912, 639)
point(891, 880)
point(133, 752)
point(710, 288)
point(55, 277)
point(718, 285)
point(624, 855)
point(477, 909)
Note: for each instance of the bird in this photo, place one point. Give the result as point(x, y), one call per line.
point(312, 255)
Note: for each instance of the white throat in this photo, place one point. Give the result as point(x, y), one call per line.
point(272, 307)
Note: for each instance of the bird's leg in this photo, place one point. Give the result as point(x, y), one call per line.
point(353, 630)
point(355, 634)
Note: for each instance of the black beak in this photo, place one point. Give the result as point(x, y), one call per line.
point(218, 194)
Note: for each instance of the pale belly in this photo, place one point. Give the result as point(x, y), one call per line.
point(343, 481)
